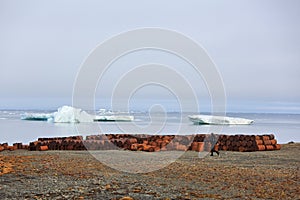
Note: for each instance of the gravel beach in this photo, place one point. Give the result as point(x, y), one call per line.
point(78, 175)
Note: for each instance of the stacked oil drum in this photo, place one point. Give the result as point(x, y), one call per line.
point(15, 146)
point(57, 143)
point(153, 143)
point(248, 142)
point(136, 142)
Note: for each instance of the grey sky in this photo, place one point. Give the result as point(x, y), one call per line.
point(255, 44)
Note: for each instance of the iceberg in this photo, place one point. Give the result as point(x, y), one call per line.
point(64, 114)
point(219, 120)
point(37, 116)
point(68, 114)
point(113, 118)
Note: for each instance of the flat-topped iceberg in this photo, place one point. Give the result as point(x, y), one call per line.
point(219, 120)
point(113, 118)
point(37, 116)
point(68, 114)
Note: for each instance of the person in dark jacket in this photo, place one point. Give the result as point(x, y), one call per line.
point(214, 145)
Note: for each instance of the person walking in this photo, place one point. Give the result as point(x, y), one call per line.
point(214, 145)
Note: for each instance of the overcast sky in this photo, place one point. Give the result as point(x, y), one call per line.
point(254, 44)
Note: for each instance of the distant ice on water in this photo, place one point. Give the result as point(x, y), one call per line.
point(68, 114)
point(219, 120)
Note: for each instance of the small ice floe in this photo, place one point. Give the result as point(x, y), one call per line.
point(114, 118)
point(37, 116)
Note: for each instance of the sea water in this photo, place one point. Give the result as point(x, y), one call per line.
point(286, 127)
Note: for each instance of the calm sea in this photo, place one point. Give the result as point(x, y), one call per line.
point(286, 127)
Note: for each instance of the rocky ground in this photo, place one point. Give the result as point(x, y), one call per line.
point(78, 175)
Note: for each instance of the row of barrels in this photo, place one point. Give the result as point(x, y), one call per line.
point(78, 137)
point(15, 146)
point(248, 143)
point(57, 143)
point(151, 143)
point(117, 141)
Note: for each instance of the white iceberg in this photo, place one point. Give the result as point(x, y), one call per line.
point(68, 114)
point(108, 115)
point(219, 120)
point(103, 111)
